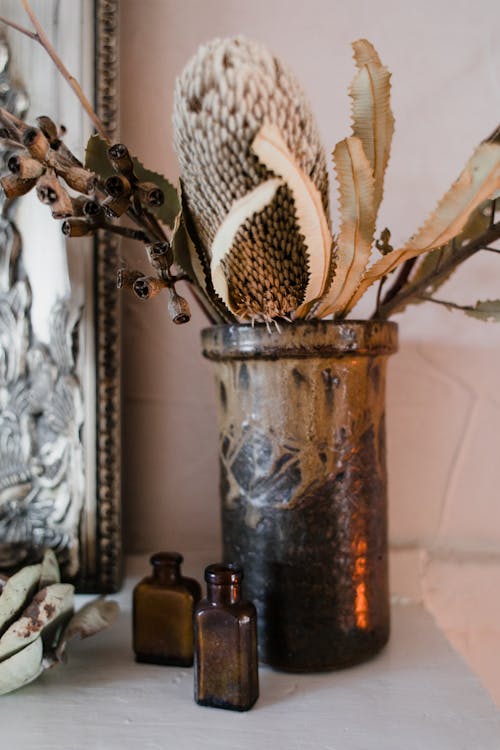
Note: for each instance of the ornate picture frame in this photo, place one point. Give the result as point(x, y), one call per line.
point(60, 405)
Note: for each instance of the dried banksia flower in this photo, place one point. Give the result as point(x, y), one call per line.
point(224, 97)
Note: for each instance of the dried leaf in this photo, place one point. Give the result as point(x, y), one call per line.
point(97, 160)
point(272, 151)
point(191, 258)
point(50, 569)
point(22, 667)
point(90, 619)
point(241, 210)
point(354, 243)
point(478, 181)
point(489, 310)
point(17, 592)
point(373, 121)
point(49, 607)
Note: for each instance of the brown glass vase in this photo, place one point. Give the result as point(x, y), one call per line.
point(304, 486)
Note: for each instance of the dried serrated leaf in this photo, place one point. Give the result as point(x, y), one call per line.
point(241, 210)
point(489, 310)
point(373, 121)
point(191, 258)
point(90, 619)
point(16, 593)
point(50, 605)
point(272, 151)
point(477, 182)
point(354, 243)
point(96, 157)
point(22, 667)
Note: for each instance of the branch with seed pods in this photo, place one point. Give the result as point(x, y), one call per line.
point(37, 158)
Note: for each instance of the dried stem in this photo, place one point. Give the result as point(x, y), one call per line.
point(416, 290)
point(40, 37)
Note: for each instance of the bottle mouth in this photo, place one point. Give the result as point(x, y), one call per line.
point(166, 558)
point(223, 573)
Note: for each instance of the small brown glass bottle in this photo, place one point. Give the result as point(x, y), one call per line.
point(163, 606)
point(225, 638)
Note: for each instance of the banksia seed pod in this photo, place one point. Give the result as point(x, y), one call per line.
point(228, 91)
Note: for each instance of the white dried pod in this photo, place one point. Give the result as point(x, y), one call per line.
point(226, 93)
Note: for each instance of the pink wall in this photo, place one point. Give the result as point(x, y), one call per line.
point(444, 407)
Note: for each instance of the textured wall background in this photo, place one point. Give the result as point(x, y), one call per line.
point(443, 402)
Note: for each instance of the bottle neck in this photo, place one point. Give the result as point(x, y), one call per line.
point(167, 573)
point(226, 593)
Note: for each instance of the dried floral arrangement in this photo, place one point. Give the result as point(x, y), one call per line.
point(249, 227)
point(37, 621)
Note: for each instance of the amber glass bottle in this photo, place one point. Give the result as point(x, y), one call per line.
point(163, 606)
point(226, 671)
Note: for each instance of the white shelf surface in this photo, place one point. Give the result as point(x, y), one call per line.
point(416, 695)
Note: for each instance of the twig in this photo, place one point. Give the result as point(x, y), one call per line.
point(417, 289)
point(40, 37)
point(133, 234)
point(401, 279)
point(428, 298)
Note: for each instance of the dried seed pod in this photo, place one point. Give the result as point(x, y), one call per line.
point(125, 278)
point(147, 287)
point(115, 207)
point(121, 159)
point(50, 130)
point(36, 143)
point(13, 186)
point(51, 192)
point(92, 209)
point(150, 194)
point(160, 255)
point(178, 308)
point(117, 186)
point(77, 227)
point(78, 178)
point(25, 167)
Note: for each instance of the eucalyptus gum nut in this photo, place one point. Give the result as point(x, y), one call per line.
point(17, 592)
point(22, 667)
point(43, 617)
point(50, 569)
